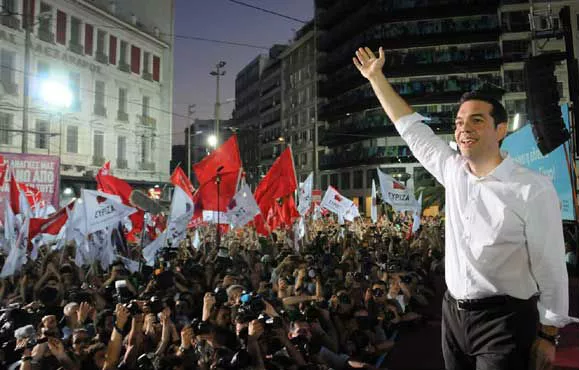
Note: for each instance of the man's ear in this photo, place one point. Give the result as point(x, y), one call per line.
point(502, 130)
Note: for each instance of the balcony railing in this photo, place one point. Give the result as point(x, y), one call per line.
point(102, 57)
point(122, 164)
point(371, 155)
point(76, 48)
point(147, 166)
point(98, 161)
point(147, 76)
point(45, 35)
point(122, 116)
point(124, 67)
point(100, 110)
point(147, 121)
point(10, 21)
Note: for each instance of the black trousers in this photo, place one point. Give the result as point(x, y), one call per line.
point(488, 335)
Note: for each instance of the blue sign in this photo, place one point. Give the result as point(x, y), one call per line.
point(522, 147)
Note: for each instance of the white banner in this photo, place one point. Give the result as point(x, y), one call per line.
point(340, 205)
point(103, 210)
point(305, 194)
point(374, 205)
point(242, 208)
point(182, 209)
point(395, 194)
point(211, 217)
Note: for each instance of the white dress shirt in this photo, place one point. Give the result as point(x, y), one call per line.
point(504, 233)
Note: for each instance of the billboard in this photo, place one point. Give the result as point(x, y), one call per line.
point(522, 147)
point(39, 171)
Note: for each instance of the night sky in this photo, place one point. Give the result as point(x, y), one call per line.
point(226, 21)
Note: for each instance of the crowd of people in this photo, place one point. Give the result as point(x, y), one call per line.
point(338, 299)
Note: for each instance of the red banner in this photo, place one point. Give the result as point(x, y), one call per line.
point(39, 171)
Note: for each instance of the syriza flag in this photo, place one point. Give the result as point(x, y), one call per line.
point(102, 210)
point(305, 194)
point(339, 204)
point(395, 194)
point(242, 208)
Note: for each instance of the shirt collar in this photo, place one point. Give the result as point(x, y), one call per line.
point(501, 172)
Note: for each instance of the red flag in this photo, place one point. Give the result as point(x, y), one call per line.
point(226, 162)
point(179, 178)
point(105, 169)
point(14, 195)
point(279, 182)
point(51, 225)
point(113, 185)
point(3, 169)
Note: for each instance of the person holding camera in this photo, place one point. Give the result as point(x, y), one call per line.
point(505, 267)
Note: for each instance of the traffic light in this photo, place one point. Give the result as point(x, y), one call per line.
point(543, 103)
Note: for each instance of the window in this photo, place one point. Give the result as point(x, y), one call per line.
point(9, 7)
point(334, 180)
point(123, 52)
point(121, 148)
point(515, 80)
point(72, 139)
point(324, 182)
point(371, 174)
point(61, 27)
point(304, 159)
point(7, 67)
point(101, 40)
point(74, 85)
point(345, 180)
point(99, 144)
point(358, 179)
point(88, 39)
point(135, 60)
point(156, 68)
point(146, 102)
point(75, 25)
point(45, 23)
point(6, 121)
point(145, 142)
point(113, 50)
point(42, 131)
point(122, 100)
point(99, 98)
point(146, 62)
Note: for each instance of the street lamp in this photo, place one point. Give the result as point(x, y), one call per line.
point(212, 141)
point(58, 97)
point(217, 73)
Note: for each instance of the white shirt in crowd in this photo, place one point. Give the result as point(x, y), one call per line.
point(504, 233)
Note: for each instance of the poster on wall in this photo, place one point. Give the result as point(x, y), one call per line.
point(522, 147)
point(39, 171)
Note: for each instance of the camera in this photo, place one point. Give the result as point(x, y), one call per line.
point(201, 327)
point(220, 296)
point(123, 294)
point(254, 302)
point(133, 308)
point(155, 305)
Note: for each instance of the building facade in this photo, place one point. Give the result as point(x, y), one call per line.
point(116, 58)
point(435, 51)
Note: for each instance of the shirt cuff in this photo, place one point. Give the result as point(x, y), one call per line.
point(550, 318)
point(404, 123)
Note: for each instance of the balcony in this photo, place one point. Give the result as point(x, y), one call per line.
point(367, 156)
point(10, 88)
point(45, 35)
point(375, 124)
point(124, 67)
point(76, 48)
point(101, 57)
point(100, 110)
point(98, 161)
point(122, 164)
point(10, 21)
point(427, 91)
point(147, 76)
point(122, 116)
point(147, 121)
point(147, 166)
point(337, 12)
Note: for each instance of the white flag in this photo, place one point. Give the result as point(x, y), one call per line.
point(182, 209)
point(17, 255)
point(150, 251)
point(242, 208)
point(211, 217)
point(10, 221)
point(103, 210)
point(417, 215)
point(340, 205)
point(130, 265)
point(395, 194)
point(305, 195)
point(374, 205)
point(196, 240)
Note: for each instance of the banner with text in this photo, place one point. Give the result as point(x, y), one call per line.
point(522, 147)
point(39, 171)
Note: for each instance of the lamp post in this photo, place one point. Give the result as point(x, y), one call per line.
point(217, 73)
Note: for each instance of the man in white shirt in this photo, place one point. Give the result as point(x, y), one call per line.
point(504, 262)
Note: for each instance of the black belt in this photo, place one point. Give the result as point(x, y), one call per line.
point(486, 303)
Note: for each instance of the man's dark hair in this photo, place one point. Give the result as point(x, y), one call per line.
point(498, 111)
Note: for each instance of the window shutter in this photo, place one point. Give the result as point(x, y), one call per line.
point(113, 50)
point(135, 60)
point(88, 39)
point(156, 68)
point(61, 27)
